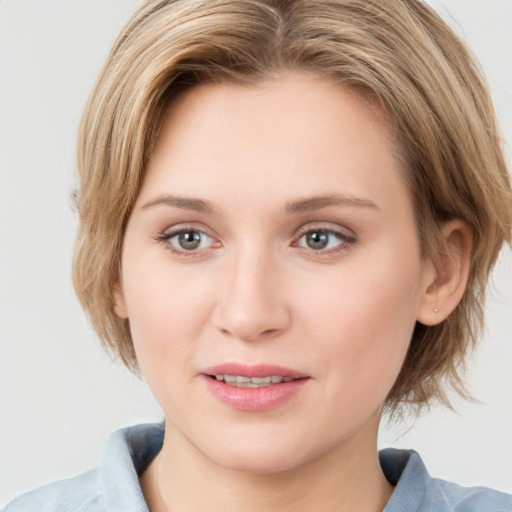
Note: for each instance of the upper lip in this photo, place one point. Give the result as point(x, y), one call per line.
point(256, 370)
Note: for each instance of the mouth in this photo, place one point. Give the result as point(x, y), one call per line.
point(242, 381)
point(260, 375)
point(253, 387)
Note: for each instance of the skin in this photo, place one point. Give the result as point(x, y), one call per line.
point(257, 290)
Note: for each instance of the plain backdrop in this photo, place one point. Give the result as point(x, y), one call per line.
point(60, 395)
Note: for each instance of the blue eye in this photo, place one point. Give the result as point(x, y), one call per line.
point(187, 240)
point(324, 239)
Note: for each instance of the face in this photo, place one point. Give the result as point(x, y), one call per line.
point(271, 272)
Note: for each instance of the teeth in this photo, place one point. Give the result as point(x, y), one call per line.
point(251, 382)
point(261, 380)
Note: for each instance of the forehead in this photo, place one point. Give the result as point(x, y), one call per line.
point(293, 103)
point(297, 131)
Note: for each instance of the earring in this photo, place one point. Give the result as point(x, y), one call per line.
point(436, 310)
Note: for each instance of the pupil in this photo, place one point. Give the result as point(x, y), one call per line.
point(317, 239)
point(190, 240)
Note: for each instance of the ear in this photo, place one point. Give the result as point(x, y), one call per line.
point(445, 280)
point(119, 302)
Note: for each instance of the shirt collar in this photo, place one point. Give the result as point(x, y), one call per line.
point(126, 455)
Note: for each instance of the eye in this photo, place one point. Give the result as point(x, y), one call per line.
point(325, 240)
point(186, 240)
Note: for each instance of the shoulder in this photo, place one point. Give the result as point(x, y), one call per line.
point(466, 499)
point(78, 494)
point(113, 486)
point(416, 490)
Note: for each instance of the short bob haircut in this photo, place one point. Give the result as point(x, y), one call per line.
point(398, 54)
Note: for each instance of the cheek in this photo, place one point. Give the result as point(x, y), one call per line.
point(366, 322)
point(167, 312)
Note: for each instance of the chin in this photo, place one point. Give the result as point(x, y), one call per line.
point(261, 456)
point(261, 463)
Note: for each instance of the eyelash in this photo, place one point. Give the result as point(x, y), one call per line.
point(166, 237)
point(345, 241)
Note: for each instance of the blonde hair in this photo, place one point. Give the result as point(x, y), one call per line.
point(398, 53)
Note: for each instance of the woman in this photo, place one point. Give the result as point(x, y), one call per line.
point(288, 215)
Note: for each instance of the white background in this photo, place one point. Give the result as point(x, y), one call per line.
point(60, 395)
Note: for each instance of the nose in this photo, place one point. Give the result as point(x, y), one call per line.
point(251, 303)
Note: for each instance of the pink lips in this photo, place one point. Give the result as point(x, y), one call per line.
point(253, 399)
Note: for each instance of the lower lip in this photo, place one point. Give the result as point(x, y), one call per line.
point(254, 399)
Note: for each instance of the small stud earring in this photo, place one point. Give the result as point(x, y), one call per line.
point(436, 310)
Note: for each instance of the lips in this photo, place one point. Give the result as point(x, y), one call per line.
point(253, 388)
point(241, 381)
point(257, 370)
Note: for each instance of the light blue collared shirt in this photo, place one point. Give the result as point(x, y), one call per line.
point(114, 485)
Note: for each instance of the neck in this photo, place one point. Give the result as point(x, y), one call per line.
point(346, 478)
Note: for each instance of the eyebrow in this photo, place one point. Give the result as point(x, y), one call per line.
point(185, 203)
point(319, 202)
point(297, 206)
